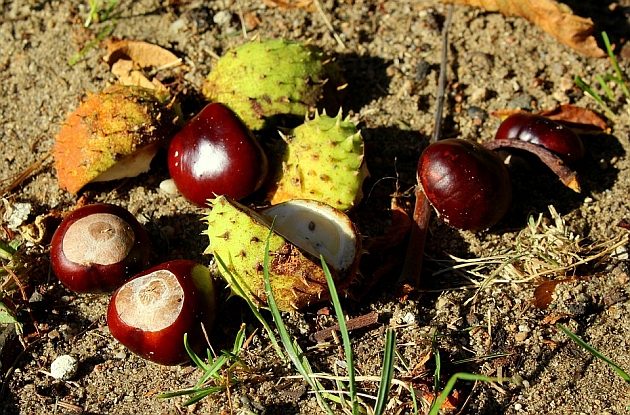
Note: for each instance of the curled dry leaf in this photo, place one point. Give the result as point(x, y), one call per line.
point(555, 18)
point(128, 58)
point(143, 54)
point(577, 117)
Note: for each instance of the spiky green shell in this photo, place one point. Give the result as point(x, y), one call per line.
point(238, 236)
point(323, 160)
point(262, 79)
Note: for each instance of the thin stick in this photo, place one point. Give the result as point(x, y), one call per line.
point(29, 171)
point(359, 322)
point(422, 211)
point(437, 130)
point(329, 25)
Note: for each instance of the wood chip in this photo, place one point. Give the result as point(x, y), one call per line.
point(360, 322)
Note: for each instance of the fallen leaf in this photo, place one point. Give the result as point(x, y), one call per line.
point(449, 405)
point(544, 291)
point(576, 117)
point(128, 58)
point(555, 18)
point(127, 75)
point(142, 54)
point(553, 318)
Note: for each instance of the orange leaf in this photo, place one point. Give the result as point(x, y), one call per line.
point(555, 18)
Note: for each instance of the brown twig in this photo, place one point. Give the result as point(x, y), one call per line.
point(24, 174)
point(567, 176)
point(412, 268)
point(356, 323)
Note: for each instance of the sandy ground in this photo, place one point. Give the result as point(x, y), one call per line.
point(390, 53)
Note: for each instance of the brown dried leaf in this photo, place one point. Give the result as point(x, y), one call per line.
point(127, 58)
point(577, 117)
point(142, 54)
point(555, 18)
point(127, 75)
point(544, 292)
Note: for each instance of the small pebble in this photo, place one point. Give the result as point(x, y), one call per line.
point(221, 18)
point(64, 367)
point(522, 101)
point(476, 112)
point(36, 297)
point(409, 318)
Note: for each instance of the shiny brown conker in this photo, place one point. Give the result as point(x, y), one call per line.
point(544, 132)
point(468, 186)
point(216, 154)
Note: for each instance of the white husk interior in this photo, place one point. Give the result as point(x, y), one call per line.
point(131, 165)
point(318, 229)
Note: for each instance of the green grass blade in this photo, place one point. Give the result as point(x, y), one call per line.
point(241, 293)
point(239, 340)
point(438, 363)
point(387, 373)
point(175, 394)
point(200, 394)
point(603, 83)
point(100, 36)
point(292, 351)
point(193, 356)
point(621, 372)
point(345, 337)
point(591, 93)
point(613, 60)
point(212, 370)
point(450, 385)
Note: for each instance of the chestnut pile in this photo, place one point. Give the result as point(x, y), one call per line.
point(224, 160)
point(468, 184)
point(101, 248)
point(218, 162)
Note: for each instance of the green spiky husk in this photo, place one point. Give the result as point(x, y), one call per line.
point(324, 161)
point(238, 236)
point(265, 78)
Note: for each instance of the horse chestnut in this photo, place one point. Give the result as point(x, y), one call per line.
point(216, 154)
point(98, 247)
point(467, 185)
point(150, 313)
point(544, 132)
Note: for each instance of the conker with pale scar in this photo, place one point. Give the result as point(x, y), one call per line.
point(150, 313)
point(97, 247)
